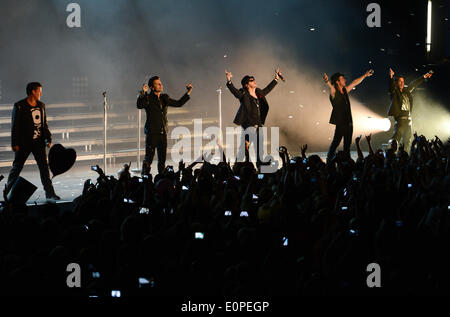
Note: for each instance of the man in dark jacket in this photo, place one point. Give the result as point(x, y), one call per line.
point(252, 111)
point(341, 116)
point(30, 134)
point(401, 106)
point(155, 104)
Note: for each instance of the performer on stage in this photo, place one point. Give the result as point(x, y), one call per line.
point(252, 111)
point(341, 116)
point(401, 106)
point(30, 134)
point(155, 104)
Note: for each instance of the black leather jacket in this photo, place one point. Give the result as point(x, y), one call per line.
point(156, 110)
point(396, 96)
point(22, 127)
point(247, 114)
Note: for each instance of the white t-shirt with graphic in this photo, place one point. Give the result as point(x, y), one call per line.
point(36, 114)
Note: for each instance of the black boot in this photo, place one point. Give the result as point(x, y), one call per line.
point(145, 168)
point(52, 196)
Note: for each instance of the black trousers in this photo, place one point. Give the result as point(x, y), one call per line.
point(342, 131)
point(252, 136)
point(403, 132)
point(156, 142)
point(37, 147)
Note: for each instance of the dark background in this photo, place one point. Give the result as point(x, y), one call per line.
point(121, 43)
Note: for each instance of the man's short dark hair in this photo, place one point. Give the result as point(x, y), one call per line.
point(246, 80)
point(335, 78)
point(32, 86)
point(151, 80)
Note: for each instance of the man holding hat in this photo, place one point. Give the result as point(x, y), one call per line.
point(30, 134)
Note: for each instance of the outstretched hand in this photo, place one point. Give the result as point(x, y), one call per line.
point(277, 74)
point(304, 148)
point(228, 74)
point(369, 72)
point(189, 88)
point(325, 77)
point(358, 138)
point(369, 137)
point(427, 75)
point(391, 73)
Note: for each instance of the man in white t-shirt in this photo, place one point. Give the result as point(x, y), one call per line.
point(30, 134)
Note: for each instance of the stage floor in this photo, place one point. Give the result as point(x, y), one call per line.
point(70, 185)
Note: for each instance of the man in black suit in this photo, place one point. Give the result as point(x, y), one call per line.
point(30, 134)
point(401, 106)
point(252, 111)
point(155, 104)
point(341, 116)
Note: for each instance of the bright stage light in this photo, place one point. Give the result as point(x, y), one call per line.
point(429, 26)
point(385, 124)
point(376, 125)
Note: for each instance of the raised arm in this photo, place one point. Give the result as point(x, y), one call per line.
point(368, 139)
point(236, 92)
point(358, 148)
point(332, 89)
point(391, 81)
point(183, 99)
point(142, 101)
point(273, 83)
point(269, 87)
point(419, 81)
point(359, 80)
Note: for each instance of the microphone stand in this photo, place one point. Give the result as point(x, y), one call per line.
point(105, 120)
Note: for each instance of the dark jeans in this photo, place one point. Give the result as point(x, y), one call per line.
point(403, 132)
point(342, 131)
point(155, 142)
point(37, 147)
point(252, 136)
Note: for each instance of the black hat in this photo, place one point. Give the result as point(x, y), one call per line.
point(246, 80)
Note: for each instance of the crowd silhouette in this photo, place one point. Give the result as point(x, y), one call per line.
point(311, 228)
